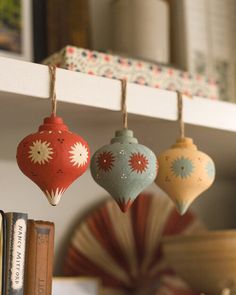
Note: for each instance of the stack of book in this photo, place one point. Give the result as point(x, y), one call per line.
point(26, 255)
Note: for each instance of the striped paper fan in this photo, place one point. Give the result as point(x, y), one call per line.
point(124, 250)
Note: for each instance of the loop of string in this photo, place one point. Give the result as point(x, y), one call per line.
point(123, 103)
point(52, 72)
point(180, 114)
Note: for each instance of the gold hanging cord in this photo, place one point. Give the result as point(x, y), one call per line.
point(52, 72)
point(123, 103)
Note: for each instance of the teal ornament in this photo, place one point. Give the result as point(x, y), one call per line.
point(124, 168)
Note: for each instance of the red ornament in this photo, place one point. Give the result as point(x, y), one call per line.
point(53, 157)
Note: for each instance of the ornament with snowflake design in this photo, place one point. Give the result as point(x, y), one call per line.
point(185, 172)
point(53, 157)
point(124, 168)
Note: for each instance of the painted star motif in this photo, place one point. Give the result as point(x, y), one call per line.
point(105, 161)
point(138, 162)
point(79, 154)
point(182, 167)
point(40, 152)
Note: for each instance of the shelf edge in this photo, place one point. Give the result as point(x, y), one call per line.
point(29, 79)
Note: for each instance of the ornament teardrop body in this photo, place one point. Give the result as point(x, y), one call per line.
point(184, 173)
point(124, 168)
point(53, 157)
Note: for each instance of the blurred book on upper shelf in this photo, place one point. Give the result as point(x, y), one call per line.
point(140, 29)
point(67, 22)
point(135, 71)
point(203, 40)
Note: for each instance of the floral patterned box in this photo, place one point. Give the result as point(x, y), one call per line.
point(136, 71)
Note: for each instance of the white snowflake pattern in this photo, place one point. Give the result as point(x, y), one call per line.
point(79, 154)
point(40, 152)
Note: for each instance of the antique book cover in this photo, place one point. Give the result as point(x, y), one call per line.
point(2, 251)
point(16, 241)
point(39, 260)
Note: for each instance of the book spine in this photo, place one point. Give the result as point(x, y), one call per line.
point(39, 261)
point(3, 254)
point(16, 242)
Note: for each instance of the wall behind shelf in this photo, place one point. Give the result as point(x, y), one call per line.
point(21, 117)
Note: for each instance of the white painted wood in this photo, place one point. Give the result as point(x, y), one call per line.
point(28, 79)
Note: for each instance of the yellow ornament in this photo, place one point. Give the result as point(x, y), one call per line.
point(184, 171)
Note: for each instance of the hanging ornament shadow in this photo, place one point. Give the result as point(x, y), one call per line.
point(53, 157)
point(124, 168)
point(185, 172)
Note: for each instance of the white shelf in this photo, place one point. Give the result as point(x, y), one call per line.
point(20, 78)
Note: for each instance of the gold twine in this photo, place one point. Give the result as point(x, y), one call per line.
point(52, 72)
point(180, 111)
point(180, 114)
point(123, 103)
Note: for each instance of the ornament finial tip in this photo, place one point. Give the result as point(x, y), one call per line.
point(53, 202)
point(182, 207)
point(55, 196)
point(124, 206)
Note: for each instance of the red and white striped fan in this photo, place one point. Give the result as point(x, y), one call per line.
point(124, 250)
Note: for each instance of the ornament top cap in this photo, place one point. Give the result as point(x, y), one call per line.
point(124, 136)
point(53, 123)
point(185, 143)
